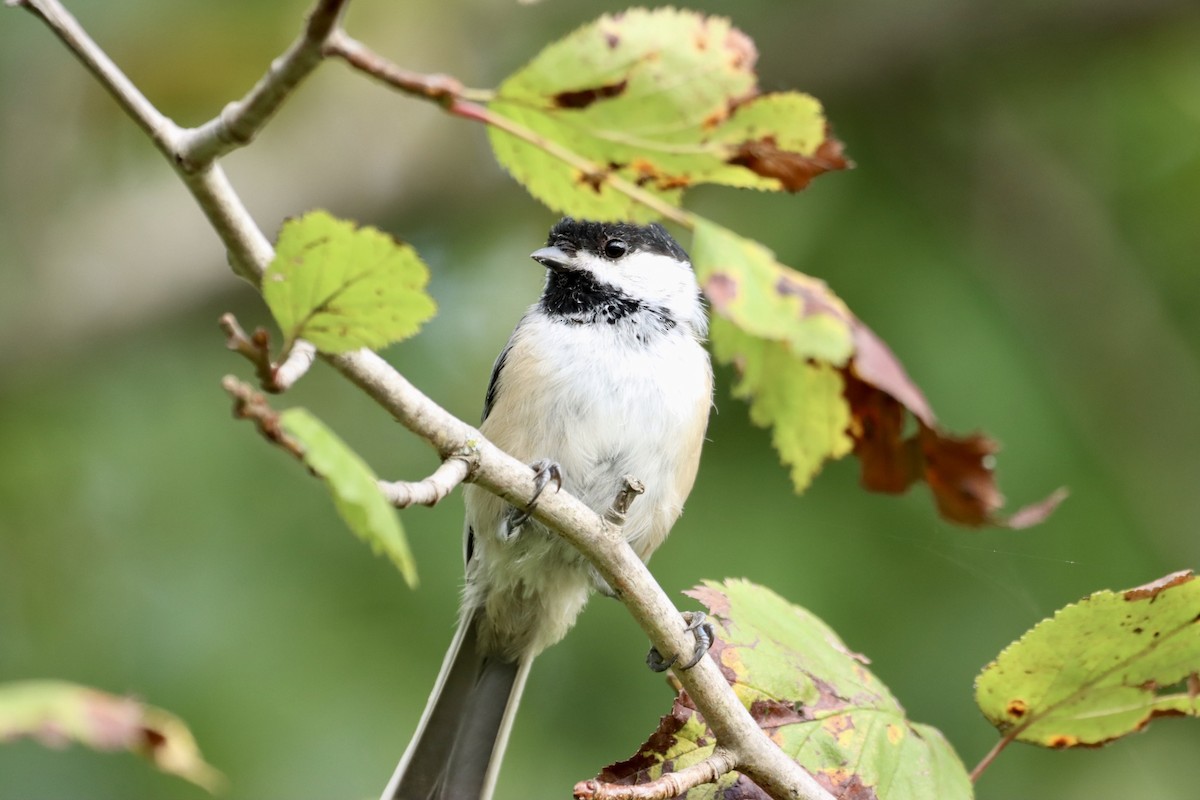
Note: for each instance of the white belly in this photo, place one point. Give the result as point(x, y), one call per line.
point(602, 410)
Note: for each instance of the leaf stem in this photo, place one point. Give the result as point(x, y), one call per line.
point(987, 760)
point(452, 96)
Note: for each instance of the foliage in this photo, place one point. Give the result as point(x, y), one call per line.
point(342, 287)
point(662, 99)
point(56, 713)
point(354, 488)
point(619, 118)
point(814, 696)
point(1100, 669)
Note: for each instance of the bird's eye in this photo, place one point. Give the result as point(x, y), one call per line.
point(615, 248)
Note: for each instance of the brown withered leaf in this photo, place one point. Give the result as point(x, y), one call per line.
point(793, 170)
point(958, 470)
point(828, 386)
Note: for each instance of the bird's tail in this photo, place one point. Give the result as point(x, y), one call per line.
point(456, 752)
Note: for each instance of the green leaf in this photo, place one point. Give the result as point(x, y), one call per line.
point(814, 697)
point(354, 488)
point(663, 99)
point(56, 712)
point(801, 402)
point(787, 335)
point(342, 287)
point(747, 286)
point(1100, 669)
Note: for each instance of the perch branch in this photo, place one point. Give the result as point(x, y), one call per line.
point(669, 785)
point(432, 490)
point(753, 753)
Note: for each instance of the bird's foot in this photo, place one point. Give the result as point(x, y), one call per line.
point(698, 624)
point(545, 473)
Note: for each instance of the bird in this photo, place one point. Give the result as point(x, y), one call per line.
point(605, 376)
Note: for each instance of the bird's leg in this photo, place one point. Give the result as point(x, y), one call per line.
point(698, 624)
point(545, 472)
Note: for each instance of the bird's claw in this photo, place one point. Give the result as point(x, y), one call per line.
point(545, 472)
point(697, 623)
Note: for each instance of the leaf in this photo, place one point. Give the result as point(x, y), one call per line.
point(342, 287)
point(354, 488)
point(1100, 669)
point(827, 385)
point(56, 713)
point(662, 99)
point(800, 401)
point(816, 700)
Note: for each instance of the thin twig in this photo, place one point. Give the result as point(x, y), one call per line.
point(299, 359)
point(159, 128)
point(631, 487)
point(256, 349)
point(672, 784)
point(432, 490)
point(241, 120)
point(450, 94)
point(251, 405)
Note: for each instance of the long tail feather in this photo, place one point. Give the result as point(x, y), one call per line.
point(456, 752)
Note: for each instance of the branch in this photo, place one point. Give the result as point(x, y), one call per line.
point(241, 120)
point(431, 491)
point(753, 753)
point(670, 785)
point(451, 95)
point(256, 349)
point(249, 404)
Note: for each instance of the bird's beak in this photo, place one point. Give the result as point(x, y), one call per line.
point(550, 257)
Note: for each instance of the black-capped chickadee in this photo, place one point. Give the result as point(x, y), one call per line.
point(605, 376)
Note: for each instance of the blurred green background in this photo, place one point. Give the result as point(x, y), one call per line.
point(1021, 227)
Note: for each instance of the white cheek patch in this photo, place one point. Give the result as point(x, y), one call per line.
point(645, 276)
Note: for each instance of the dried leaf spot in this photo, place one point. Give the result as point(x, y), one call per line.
point(594, 180)
point(721, 290)
point(775, 713)
point(648, 172)
point(845, 785)
point(741, 49)
point(1151, 590)
point(582, 98)
point(814, 294)
point(841, 728)
point(794, 171)
point(1016, 708)
point(1061, 741)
